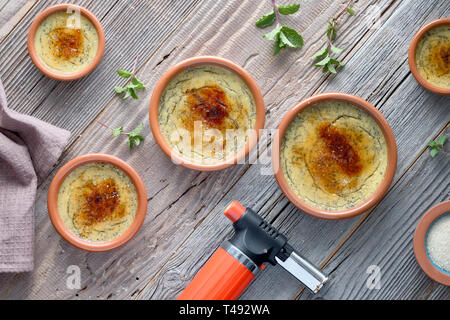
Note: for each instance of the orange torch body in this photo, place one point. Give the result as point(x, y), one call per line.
point(222, 268)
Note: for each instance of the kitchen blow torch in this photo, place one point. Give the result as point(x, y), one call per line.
point(235, 263)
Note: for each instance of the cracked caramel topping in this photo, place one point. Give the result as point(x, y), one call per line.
point(66, 43)
point(335, 161)
point(340, 151)
point(100, 202)
point(208, 104)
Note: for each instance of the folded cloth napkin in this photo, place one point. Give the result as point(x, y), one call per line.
point(29, 148)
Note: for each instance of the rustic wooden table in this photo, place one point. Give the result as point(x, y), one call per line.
point(184, 223)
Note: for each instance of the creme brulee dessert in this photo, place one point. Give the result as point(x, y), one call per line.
point(65, 43)
point(333, 155)
point(433, 56)
point(97, 202)
point(207, 113)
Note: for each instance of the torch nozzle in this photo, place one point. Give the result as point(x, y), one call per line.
point(260, 242)
point(304, 271)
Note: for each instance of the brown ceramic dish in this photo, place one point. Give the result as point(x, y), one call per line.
point(412, 56)
point(64, 231)
point(46, 70)
point(165, 80)
point(419, 243)
point(391, 156)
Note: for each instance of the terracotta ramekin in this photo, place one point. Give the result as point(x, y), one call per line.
point(69, 236)
point(186, 64)
point(420, 237)
point(379, 192)
point(412, 56)
point(65, 76)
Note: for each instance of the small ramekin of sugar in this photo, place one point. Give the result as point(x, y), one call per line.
point(432, 243)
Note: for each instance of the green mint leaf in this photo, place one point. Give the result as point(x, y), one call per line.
point(266, 20)
point(117, 132)
point(321, 54)
point(119, 89)
point(325, 68)
point(127, 94)
point(350, 11)
point(123, 73)
point(323, 61)
point(291, 38)
point(272, 34)
point(432, 144)
point(288, 9)
point(138, 139)
point(132, 93)
point(137, 130)
point(441, 141)
point(138, 85)
point(278, 45)
point(434, 152)
point(130, 142)
point(134, 141)
point(336, 50)
point(337, 62)
point(331, 68)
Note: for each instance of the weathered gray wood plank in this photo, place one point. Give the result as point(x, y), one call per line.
point(385, 240)
point(185, 198)
point(11, 13)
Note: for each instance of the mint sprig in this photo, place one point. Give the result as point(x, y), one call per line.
point(282, 36)
point(134, 137)
point(326, 57)
point(436, 146)
point(132, 86)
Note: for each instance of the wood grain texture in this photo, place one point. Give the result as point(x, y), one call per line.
point(11, 13)
point(184, 223)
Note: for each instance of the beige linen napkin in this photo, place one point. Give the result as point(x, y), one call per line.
point(29, 148)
